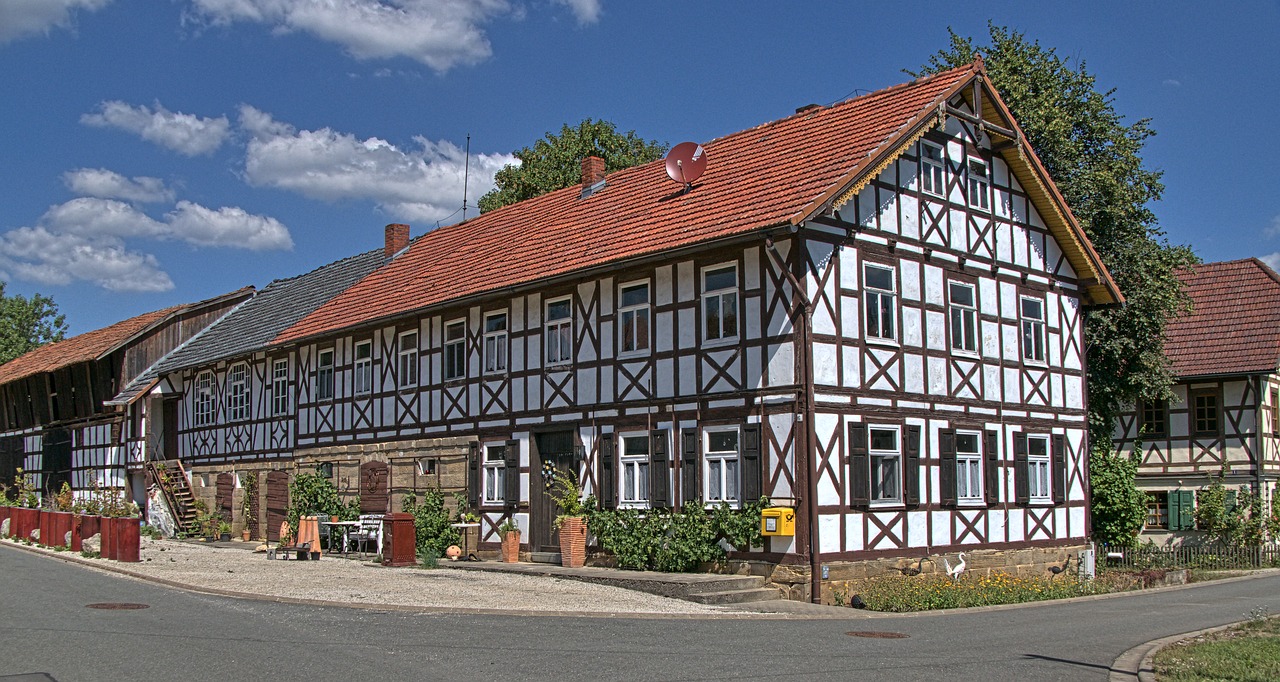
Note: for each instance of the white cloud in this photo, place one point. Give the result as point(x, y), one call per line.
point(24, 17)
point(1173, 83)
point(93, 217)
point(227, 226)
point(105, 184)
point(186, 134)
point(587, 11)
point(423, 184)
point(1272, 230)
point(1272, 260)
point(38, 255)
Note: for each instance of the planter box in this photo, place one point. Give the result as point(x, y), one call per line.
point(77, 539)
point(573, 542)
point(107, 528)
point(46, 528)
point(5, 515)
point(27, 521)
point(127, 540)
point(91, 525)
point(60, 526)
point(511, 547)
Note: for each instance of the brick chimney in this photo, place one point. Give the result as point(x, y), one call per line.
point(397, 238)
point(592, 171)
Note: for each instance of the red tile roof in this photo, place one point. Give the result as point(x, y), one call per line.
point(86, 347)
point(775, 174)
point(1234, 324)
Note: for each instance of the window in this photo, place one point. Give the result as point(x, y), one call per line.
point(886, 465)
point(979, 186)
point(968, 467)
point(635, 469)
point(1275, 412)
point(880, 301)
point(633, 318)
point(204, 399)
point(931, 169)
point(280, 387)
point(559, 332)
point(1204, 407)
point(324, 375)
point(363, 373)
point(238, 392)
point(495, 472)
point(495, 343)
point(1158, 510)
point(1152, 418)
point(964, 318)
point(455, 350)
point(720, 303)
point(408, 374)
point(1038, 468)
point(1032, 330)
point(721, 462)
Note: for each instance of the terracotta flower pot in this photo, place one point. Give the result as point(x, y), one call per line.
point(127, 539)
point(4, 515)
point(511, 547)
point(573, 542)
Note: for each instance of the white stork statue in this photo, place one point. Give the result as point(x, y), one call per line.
point(954, 571)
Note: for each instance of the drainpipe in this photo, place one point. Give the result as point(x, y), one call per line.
point(811, 482)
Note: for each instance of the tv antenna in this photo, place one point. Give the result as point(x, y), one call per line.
point(466, 175)
point(686, 162)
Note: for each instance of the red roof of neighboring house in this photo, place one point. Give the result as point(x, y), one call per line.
point(85, 347)
point(1234, 324)
point(775, 174)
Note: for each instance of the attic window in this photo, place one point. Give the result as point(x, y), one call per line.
point(979, 186)
point(932, 168)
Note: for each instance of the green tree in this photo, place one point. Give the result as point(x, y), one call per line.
point(28, 323)
point(555, 161)
point(1119, 508)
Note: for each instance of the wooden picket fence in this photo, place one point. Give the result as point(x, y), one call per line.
point(1189, 556)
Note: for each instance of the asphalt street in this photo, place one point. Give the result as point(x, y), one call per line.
point(46, 629)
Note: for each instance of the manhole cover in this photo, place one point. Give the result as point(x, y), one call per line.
point(871, 634)
point(117, 606)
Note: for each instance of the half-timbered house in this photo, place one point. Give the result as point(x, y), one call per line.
point(870, 311)
point(1224, 418)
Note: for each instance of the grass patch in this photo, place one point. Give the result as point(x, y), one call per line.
point(929, 592)
point(1245, 653)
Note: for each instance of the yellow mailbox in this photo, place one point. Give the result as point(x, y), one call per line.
point(778, 521)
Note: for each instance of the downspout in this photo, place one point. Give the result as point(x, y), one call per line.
point(811, 482)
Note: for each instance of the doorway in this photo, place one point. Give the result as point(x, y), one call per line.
point(554, 449)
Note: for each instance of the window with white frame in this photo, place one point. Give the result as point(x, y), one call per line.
point(203, 401)
point(879, 294)
point(633, 318)
point(635, 469)
point(964, 317)
point(362, 371)
point(721, 464)
point(932, 169)
point(1032, 329)
point(408, 359)
point(238, 392)
point(1038, 468)
point(280, 386)
point(495, 473)
point(969, 467)
point(495, 343)
point(979, 185)
point(886, 465)
point(720, 303)
point(324, 375)
point(455, 350)
point(558, 334)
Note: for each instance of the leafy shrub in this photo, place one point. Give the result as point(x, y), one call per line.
point(311, 494)
point(431, 527)
point(674, 540)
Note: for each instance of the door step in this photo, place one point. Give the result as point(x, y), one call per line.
point(735, 596)
point(545, 557)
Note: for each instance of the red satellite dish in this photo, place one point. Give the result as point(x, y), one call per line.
point(686, 162)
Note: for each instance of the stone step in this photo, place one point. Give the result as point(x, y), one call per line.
point(735, 596)
point(545, 557)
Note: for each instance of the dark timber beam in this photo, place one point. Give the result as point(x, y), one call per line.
point(975, 120)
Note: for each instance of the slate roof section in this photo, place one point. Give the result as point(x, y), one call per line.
point(1234, 324)
point(776, 174)
point(85, 347)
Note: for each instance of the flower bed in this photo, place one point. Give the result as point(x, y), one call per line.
point(929, 592)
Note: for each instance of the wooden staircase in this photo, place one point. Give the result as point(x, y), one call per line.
point(172, 480)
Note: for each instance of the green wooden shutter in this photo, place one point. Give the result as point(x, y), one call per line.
point(750, 469)
point(473, 476)
point(689, 467)
point(659, 470)
point(606, 478)
point(511, 477)
point(1182, 510)
point(947, 466)
point(1021, 486)
point(912, 469)
point(1058, 462)
point(991, 458)
point(859, 466)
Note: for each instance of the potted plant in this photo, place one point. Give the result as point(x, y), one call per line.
point(510, 534)
point(571, 522)
point(224, 530)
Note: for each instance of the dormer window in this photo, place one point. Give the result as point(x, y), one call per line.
point(932, 169)
point(979, 185)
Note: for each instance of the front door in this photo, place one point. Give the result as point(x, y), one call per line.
point(554, 450)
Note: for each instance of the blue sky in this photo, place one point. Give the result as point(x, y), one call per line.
point(164, 152)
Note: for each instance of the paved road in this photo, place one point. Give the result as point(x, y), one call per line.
point(45, 628)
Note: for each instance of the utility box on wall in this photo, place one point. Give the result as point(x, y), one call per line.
point(778, 521)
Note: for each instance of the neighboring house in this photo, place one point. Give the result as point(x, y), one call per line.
point(1225, 414)
point(57, 421)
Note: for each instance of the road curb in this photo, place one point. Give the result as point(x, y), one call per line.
point(1135, 664)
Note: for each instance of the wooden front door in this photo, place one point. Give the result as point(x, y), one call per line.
point(375, 488)
point(224, 494)
point(554, 450)
point(277, 502)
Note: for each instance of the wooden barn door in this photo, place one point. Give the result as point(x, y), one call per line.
point(224, 495)
point(277, 502)
point(375, 488)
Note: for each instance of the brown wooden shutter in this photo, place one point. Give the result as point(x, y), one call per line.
point(226, 485)
point(1021, 486)
point(991, 458)
point(947, 466)
point(751, 471)
point(277, 502)
point(511, 477)
point(606, 477)
point(912, 469)
point(690, 481)
point(659, 470)
point(859, 466)
point(1058, 455)
point(473, 476)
